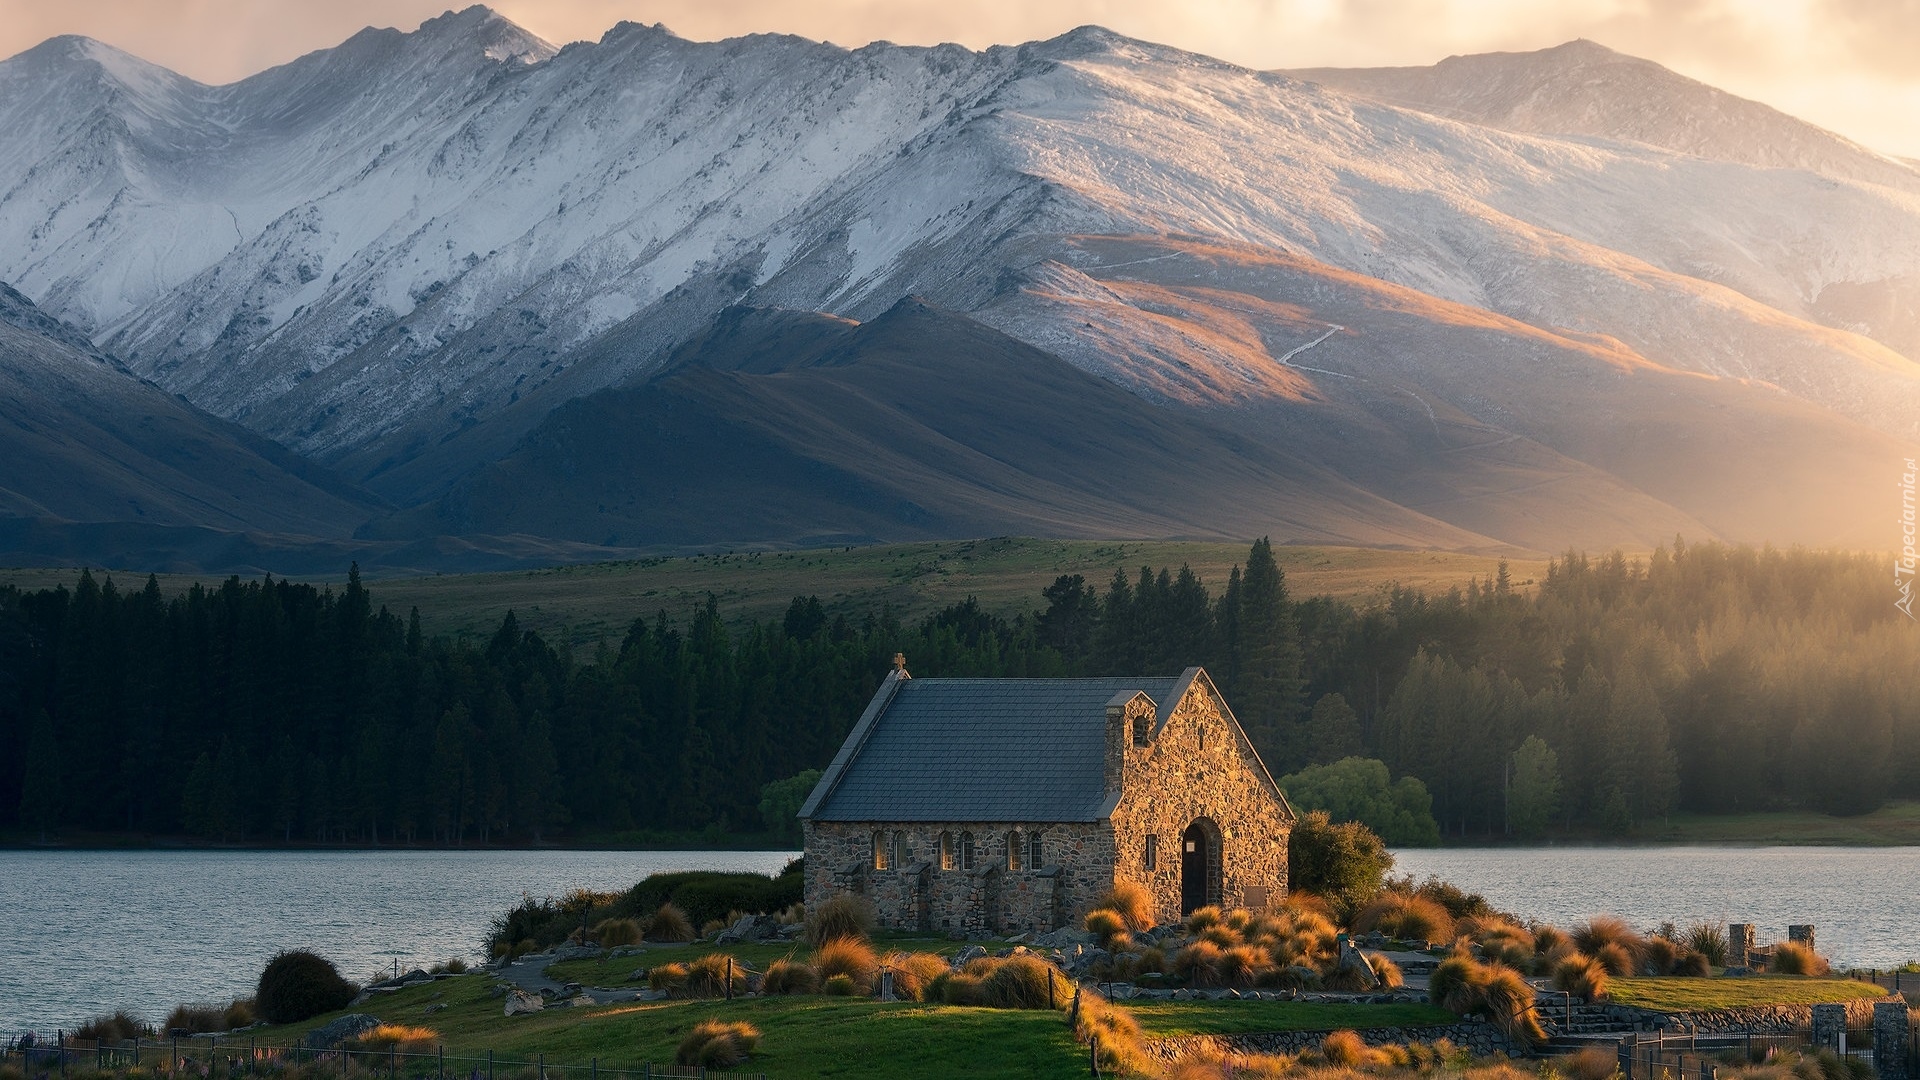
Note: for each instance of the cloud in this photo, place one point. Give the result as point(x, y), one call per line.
point(1845, 64)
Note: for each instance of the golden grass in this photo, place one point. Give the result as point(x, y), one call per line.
point(718, 1044)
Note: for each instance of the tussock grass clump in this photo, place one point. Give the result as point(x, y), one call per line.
point(850, 957)
point(1242, 965)
point(1659, 955)
point(1133, 902)
point(708, 976)
point(844, 916)
point(1463, 986)
point(669, 977)
point(1024, 981)
point(1795, 958)
point(712, 927)
point(1582, 976)
point(1550, 946)
point(404, 1038)
point(613, 933)
point(718, 1044)
point(1202, 918)
point(1199, 963)
point(1456, 982)
point(1108, 927)
point(840, 986)
point(1710, 941)
point(956, 988)
point(1616, 958)
point(1405, 917)
point(913, 973)
point(1604, 930)
point(1221, 934)
point(1692, 965)
point(298, 985)
point(668, 925)
point(117, 1026)
point(1388, 972)
point(1345, 1049)
point(791, 977)
point(1589, 1063)
point(1121, 1050)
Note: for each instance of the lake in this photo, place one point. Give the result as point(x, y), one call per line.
point(86, 932)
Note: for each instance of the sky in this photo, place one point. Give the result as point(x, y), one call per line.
point(1849, 65)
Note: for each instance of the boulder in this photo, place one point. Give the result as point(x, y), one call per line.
point(519, 1003)
point(971, 952)
point(350, 1026)
point(1065, 937)
point(1353, 963)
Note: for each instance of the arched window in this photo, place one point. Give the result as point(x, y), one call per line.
point(902, 854)
point(1153, 852)
point(947, 854)
point(1013, 851)
point(967, 851)
point(1141, 725)
point(879, 851)
point(1034, 858)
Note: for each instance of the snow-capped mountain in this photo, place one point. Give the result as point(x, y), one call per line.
point(401, 254)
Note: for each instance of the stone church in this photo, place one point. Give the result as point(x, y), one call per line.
point(1001, 806)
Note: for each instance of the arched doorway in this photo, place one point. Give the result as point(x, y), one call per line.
point(1199, 866)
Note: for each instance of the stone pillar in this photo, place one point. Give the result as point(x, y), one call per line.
point(1802, 933)
point(1740, 945)
point(1829, 1027)
point(1891, 1024)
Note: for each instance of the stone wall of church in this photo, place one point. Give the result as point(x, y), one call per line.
point(1198, 768)
point(919, 885)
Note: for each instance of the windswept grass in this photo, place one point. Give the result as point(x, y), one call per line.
point(1678, 993)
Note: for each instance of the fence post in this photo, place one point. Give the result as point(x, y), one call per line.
point(1626, 1057)
point(1891, 1025)
point(443, 1061)
point(489, 1064)
point(393, 1061)
point(1093, 1056)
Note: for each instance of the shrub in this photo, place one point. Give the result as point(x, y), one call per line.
point(1345, 1050)
point(1710, 941)
point(791, 977)
point(1615, 958)
point(1024, 981)
point(705, 895)
point(913, 973)
point(712, 927)
point(297, 986)
point(708, 976)
point(117, 1026)
point(668, 924)
point(669, 977)
point(718, 1044)
point(1582, 976)
point(1133, 902)
point(196, 1020)
point(1795, 958)
point(1552, 944)
point(1692, 965)
point(400, 1037)
point(847, 956)
point(844, 916)
point(840, 986)
point(1121, 1051)
point(1343, 863)
point(1108, 927)
point(613, 933)
point(1455, 983)
point(238, 1014)
point(1203, 918)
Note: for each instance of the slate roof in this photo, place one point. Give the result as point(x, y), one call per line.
point(985, 750)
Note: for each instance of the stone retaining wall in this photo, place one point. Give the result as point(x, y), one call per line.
point(1482, 1039)
point(1759, 1019)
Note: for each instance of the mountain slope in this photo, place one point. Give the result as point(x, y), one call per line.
point(85, 441)
point(920, 423)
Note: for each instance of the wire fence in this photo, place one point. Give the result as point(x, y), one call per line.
point(1896, 981)
point(233, 1058)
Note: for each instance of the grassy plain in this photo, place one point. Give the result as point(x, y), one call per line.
point(586, 604)
point(1676, 993)
point(1894, 825)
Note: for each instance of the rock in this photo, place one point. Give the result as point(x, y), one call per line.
point(498, 990)
point(638, 975)
point(1063, 938)
point(519, 1003)
point(1018, 939)
point(1353, 965)
point(580, 1001)
point(971, 952)
point(431, 1009)
point(792, 931)
point(350, 1026)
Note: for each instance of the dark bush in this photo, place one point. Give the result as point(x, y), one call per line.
point(117, 1026)
point(297, 986)
point(196, 1020)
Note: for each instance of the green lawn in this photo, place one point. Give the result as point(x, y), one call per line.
point(1677, 994)
point(755, 956)
point(1167, 1018)
point(801, 1036)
